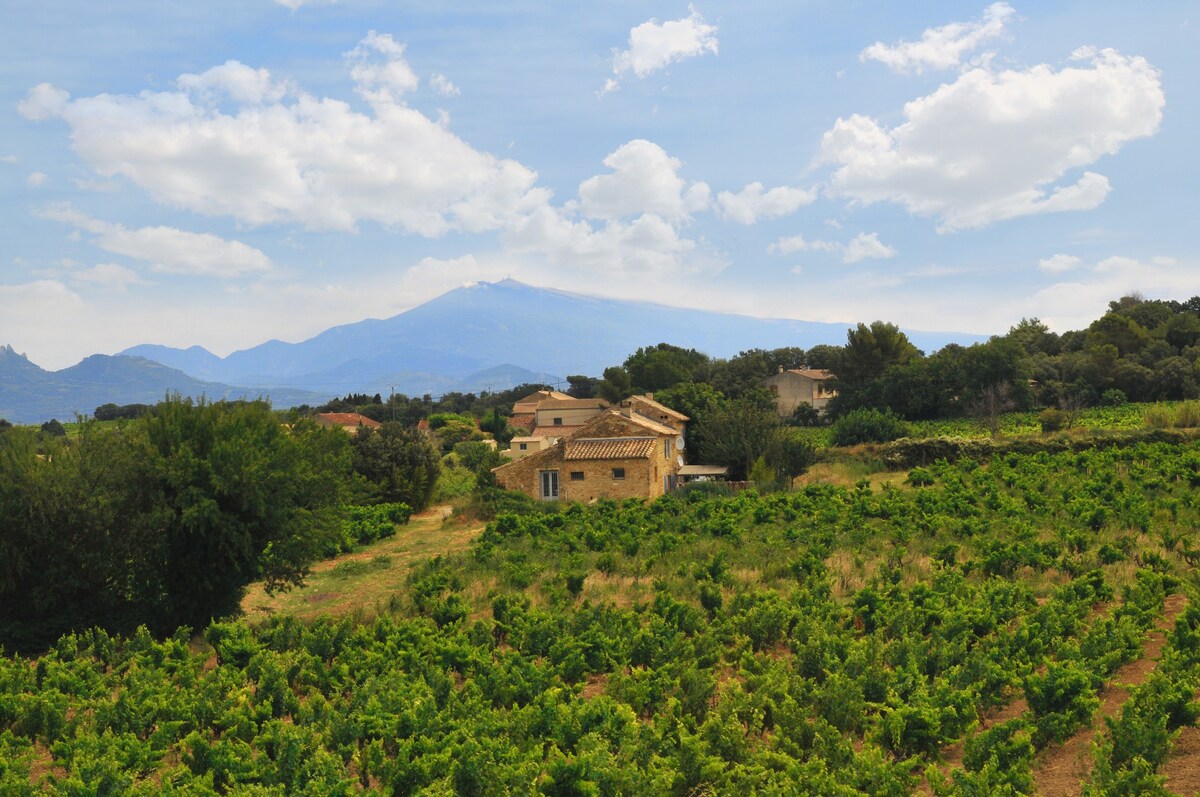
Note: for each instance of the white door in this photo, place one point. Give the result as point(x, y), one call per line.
point(549, 485)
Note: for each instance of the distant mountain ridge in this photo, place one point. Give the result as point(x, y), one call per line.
point(487, 336)
point(448, 342)
point(29, 394)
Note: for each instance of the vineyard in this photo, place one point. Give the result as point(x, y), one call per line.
point(948, 635)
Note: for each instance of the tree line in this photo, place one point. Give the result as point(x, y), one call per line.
point(162, 520)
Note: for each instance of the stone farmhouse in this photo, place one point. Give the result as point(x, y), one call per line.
point(634, 450)
point(524, 411)
point(801, 386)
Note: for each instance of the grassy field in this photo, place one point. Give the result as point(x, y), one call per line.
point(365, 582)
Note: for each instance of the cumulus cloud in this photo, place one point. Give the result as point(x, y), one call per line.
point(166, 249)
point(944, 47)
point(108, 276)
point(753, 202)
point(442, 85)
point(35, 179)
point(1056, 264)
point(992, 146)
point(654, 45)
point(864, 246)
point(234, 141)
point(645, 179)
point(1076, 303)
point(628, 221)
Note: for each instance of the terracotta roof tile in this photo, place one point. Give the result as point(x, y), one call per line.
point(651, 403)
point(550, 430)
point(348, 419)
point(609, 448)
point(812, 373)
point(572, 404)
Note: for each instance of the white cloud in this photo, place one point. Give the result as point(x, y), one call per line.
point(864, 246)
point(1056, 264)
point(990, 146)
point(654, 45)
point(1077, 303)
point(35, 179)
point(379, 69)
point(442, 85)
point(753, 203)
point(43, 102)
point(108, 276)
point(944, 47)
point(166, 249)
point(8, 159)
point(232, 141)
point(798, 243)
point(645, 179)
point(294, 4)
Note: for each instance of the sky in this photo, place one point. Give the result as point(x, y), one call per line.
point(226, 172)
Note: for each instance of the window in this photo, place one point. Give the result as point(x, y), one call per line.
point(666, 448)
point(558, 421)
point(618, 473)
point(524, 446)
point(549, 485)
point(576, 475)
point(774, 390)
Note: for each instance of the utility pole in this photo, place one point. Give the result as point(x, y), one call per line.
point(392, 401)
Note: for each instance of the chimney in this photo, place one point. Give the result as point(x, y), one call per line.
point(626, 411)
point(650, 396)
point(781, 369)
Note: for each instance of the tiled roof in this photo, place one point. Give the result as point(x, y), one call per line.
point(523, 420)
point(550, 430)
point(609, 448)
point(647, 423)
point(348, 419)
point(812, 373)
point(530, 402)
point(649, 402)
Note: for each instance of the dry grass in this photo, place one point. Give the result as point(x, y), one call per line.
point(361, 582)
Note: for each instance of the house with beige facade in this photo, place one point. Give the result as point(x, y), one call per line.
point(798, 386)
point(619, 453)
point(524, 411)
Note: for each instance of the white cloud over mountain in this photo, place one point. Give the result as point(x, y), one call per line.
point(992, 146)
point(943, 47)
point(645, 179)
point(864, 246)
point(233, 141)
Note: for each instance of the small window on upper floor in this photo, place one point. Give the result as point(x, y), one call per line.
point(576, 475)
point(618, 473)
point(523, 446)
point(558, 421)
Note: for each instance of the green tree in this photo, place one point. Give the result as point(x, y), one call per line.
point(871, 349)
point(737, 434)
point(398, 463)
point(658, 367)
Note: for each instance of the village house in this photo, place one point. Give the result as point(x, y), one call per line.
point(350, 421)
point(557, 418)
point(524, 411)
point(617, 454)
point(801, 386)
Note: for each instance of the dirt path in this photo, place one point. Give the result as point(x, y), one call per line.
point(1182, 767)
point(366, 578)
point(1061, 770)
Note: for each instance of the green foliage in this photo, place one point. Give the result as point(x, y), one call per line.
point(397, 463)
point(736, 435)
point(162, 521)
point(866, 425)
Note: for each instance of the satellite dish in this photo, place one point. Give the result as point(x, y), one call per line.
point(679, 460)
point(679, 443)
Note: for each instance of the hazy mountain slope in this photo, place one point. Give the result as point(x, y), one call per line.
point(438, 345)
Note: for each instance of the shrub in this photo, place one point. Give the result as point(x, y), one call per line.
point(1053, 420)
point(1113, 397)
point(867, 425)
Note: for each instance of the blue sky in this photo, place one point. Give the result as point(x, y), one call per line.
point(222, 173)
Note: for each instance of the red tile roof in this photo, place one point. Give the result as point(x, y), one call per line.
point(348, 419)
point(609, 448)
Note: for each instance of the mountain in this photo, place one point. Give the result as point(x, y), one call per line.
point(29, 394)
point(445, 343)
